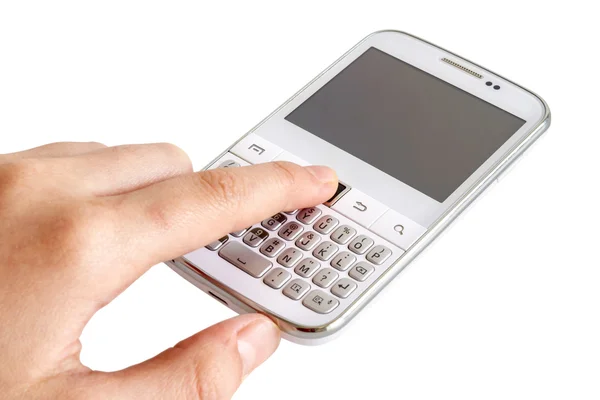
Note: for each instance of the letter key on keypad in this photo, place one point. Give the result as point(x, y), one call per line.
point(277, 278)
point(308, 215)
point(379, 254)
point(343, 260)
point(343, 234)
point(229, 164)
point(325, 251)
point(274, 222)
point(308, 240)
point(255, 237)
point(344, 288)
point(216, 245)
point(289, 257)
point(296, 289)
point(361, 244)
point(320, 302)
point(240, 232)
point(361, 271)
point(307, 267)
point(272, 247)
point(245, 259)
point(290, 230)
point(325, 277)
point(326, 224)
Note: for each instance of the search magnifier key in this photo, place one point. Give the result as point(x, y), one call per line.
point(398, 229)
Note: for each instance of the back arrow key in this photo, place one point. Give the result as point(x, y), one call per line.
point(360, 206)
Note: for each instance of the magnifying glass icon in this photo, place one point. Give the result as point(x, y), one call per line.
point(399, 229)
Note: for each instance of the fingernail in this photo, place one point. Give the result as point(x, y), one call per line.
point(323, 174)
point(256, 342)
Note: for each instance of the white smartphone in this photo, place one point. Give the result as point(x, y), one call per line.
point(415, 133)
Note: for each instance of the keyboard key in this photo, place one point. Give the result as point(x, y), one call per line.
point(326, 224)
point(361, 271)
point(287, 156)
point(296, 289)
point(229, 164)
point(308, 215)
point(228, 159)
point(308, 240)
point(361, 244)
point(290, 230)
point(325, 251)
point(343, 234)
point(344, 288)
point(340, 191)
point(255, 149)
point(307, 267)
point(272, 247)
point(320, 302)
point(359, 207)
point(216, 245)
point(343, 261)
point(398, 229)
point(293, 212)
point(379, 254)
point(240, 232)
point(289, 257)
point(325, 277)
point(245, 259)
point(277, 278)
point(274, 222)
point(255, 237)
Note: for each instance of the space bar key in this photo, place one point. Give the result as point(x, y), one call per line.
point(245, 259)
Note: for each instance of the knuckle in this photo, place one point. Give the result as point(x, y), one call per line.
point(206, 389)
point(128, 151)
point(177, 154)
point(74, 230)
point(164, 153)
point(23, 168)
point(159, 213)
point(223, 186)
point(66, 235)
point(172, 149)
point(96, 145)
point(124, 151)
point(14, 174)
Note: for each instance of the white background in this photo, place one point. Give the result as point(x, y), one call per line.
point(505, 305)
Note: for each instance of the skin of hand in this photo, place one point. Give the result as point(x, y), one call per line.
point(80, 222)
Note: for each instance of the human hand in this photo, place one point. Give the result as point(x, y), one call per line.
point(80, 222)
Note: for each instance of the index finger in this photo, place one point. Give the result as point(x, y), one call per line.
point(182, 214)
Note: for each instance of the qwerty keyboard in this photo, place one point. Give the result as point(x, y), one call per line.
point(303, 250)
point(318, 259)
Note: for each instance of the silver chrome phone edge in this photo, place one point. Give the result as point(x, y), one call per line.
point(321, 334)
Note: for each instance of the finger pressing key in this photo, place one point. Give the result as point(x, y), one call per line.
point(179, 215)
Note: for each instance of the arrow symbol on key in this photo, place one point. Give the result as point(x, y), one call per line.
point(360, 206)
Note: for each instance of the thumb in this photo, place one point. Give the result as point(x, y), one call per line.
point(208, 366)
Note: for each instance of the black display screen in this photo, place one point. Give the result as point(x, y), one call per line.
point(407, 123)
